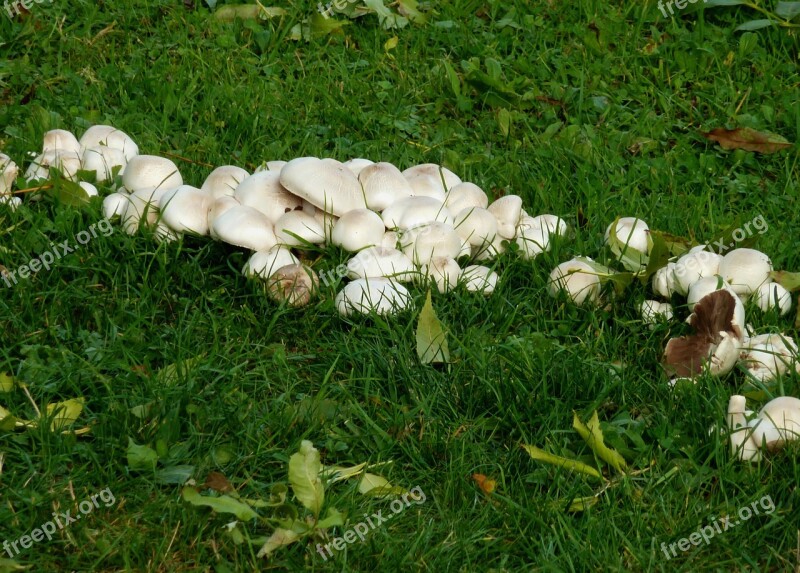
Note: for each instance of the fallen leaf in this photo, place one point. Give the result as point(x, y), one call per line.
point(378, 486)
point(221, 504)
point(748, 139)
point(141, 457)
point(304, 470)
point(217, 482)
point(486, 484)
point(279, 538)
point(593, 436)
point(431, 338)
point(574, 465)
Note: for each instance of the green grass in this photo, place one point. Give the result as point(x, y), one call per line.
point(105, 320)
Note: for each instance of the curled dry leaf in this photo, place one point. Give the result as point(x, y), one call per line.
point(747, 139)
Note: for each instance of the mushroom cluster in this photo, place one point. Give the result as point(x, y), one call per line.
point(423, 225)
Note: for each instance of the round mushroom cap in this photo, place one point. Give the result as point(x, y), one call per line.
point(425, 242)
point(263, 191)
point(297, 229)
point(476, 226)
point(745, 270)
point(632, 232)
point(383, 185)
point(445, 178)
point(372, 295)
point(705, 286)
point(553, 224)
point(357, 164)
point(105, 135)
point(508, 212)
point(185, 209)
point(150, 172)
point(653, 311)
point(294, 284)
point(91, 190)
point(771, 296)
point(358, 229)
point(327, 184)
point(68, 162)
point(142, 208)
point(465, 195)
point(8, 173)
point(577, 279)
point(217, 208)
point(692, 266)
point(102, 160)
point(477, 278)
point(664, 281)
point(532, 241)
point(60, 140)
point(427, 186)
point(375, 262)
point(223, 181)
point(262, 264)
point(114, 205)
point(414, 211)
point(246, 227)
point(489, 251)
point(445, 273)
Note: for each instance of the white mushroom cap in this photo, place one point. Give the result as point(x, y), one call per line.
point(577, 279)
point(114, 205)
point(357, 164)
point(381, 262)
point(10, 201)
point(508, 212)
point(358, 229)
point(768, 356)
point(664, 281)
point(327, 222)
point(8, 173)
point(533, 236)
point(465, 195)
point(383, 185)
point(150, 172)
point(110, 137)
point(379, 295)
point(102, 160)
point(263, 191)
point(60, 140)
point(185, 209)
point(693, 266)
point(477, 278)
point(263, 264)
point(223, 181)
point(476, 226)
point(653, 311)
point(444, 178)
point(275, 165)
point(217, 208)
point(427, 186)
point(444, 272)
point(414, 211)
point(630, 232)
point(297, 228)
point(246, 227)
point(745, 270)
point(554, 224)
point(68, 162)
point(142, 204)
point(778, 422)
point(773, 296)
point(390, 240)
point(704, 286)
point(327, 184)
point(425, 242)
point(293, 284)
point(91, 190)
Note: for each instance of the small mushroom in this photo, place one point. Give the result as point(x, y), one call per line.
point(185, 210)
point(67, 162)
point(465, 195)
point(102, 161)
point(293, 284)
point(372, 295)
point(8, 174)
point(745, 270)
point(443, 271)
point(60, 140)
point(108, 136)
point(297, 229)
point(223, 181)
point(357, 164)
point(768, 356)
point(383, 185)
point(327, 184)
point(694, 265)
point(477, 278)
point(150, 172)
point(263, 264)
point(114, 205)
point(423, 243)
point(664, 281)
point(358, 229)
point(246, 227)
point(653, 312)
point(476, 226)
point(630, 232)
point(381, 262)
point(776, 423)
point(773, 296)
point(263, 191)
point(508, 212)
point(415, 211)
point(577, 279)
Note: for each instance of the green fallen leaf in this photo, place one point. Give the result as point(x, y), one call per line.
point(279, 538)
point(7, 421)
point(573, 465)
point(141, 457)
point(174, 474)
point(582, 503)
point(172, 373)
point(378, 486)
point(333, 518)
point(304, 470)
point(338, 473)
point(658, 257)
point(7, 383)
point(67, 192)
point(221, 504)
point(593, 436)
point(431, 338)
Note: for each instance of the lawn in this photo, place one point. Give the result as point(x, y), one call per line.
point(587, 110)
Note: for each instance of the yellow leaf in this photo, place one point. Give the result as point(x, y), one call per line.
point(391, 43)
point(64, 413)
point(7, 383)
point(593, 436)
point(486, 484)
point(574, 465)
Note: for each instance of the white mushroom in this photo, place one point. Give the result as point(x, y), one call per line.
point(663, 281)
point(102, 160)
point(694, 265)
point(293, 284)
point(114, 205)
point(217, 208)
point(358, 229)
point(263, 264)
point(357, 164)
point(769, 356)
point(465, 195)
point(328, 184)
point(443, 178)
point(508, 212)
point(68, 162)
point(383, 185)
point(771, 296)
point(108, 136)
point(653, 312)
point(381, 262)
point(8, 174)
point(223, 181)
point(443, 271)
point(425, 242)
point(297, 229)
point(630, 232)
point(91, 190)
point(415, 211)
point(263, 191)
point(143, 207)
point(246, 227)
point(577, 279)
point(745, 270)
point(150, 172)
point(185, 209)
point(476, 226)
point(477, 278)
point(10, 201)
point(60, 140)
point(776, 423)
point(373, 295)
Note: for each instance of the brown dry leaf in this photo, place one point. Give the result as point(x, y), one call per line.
point(486, 484)
point(218, 482)
point(748, 139)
